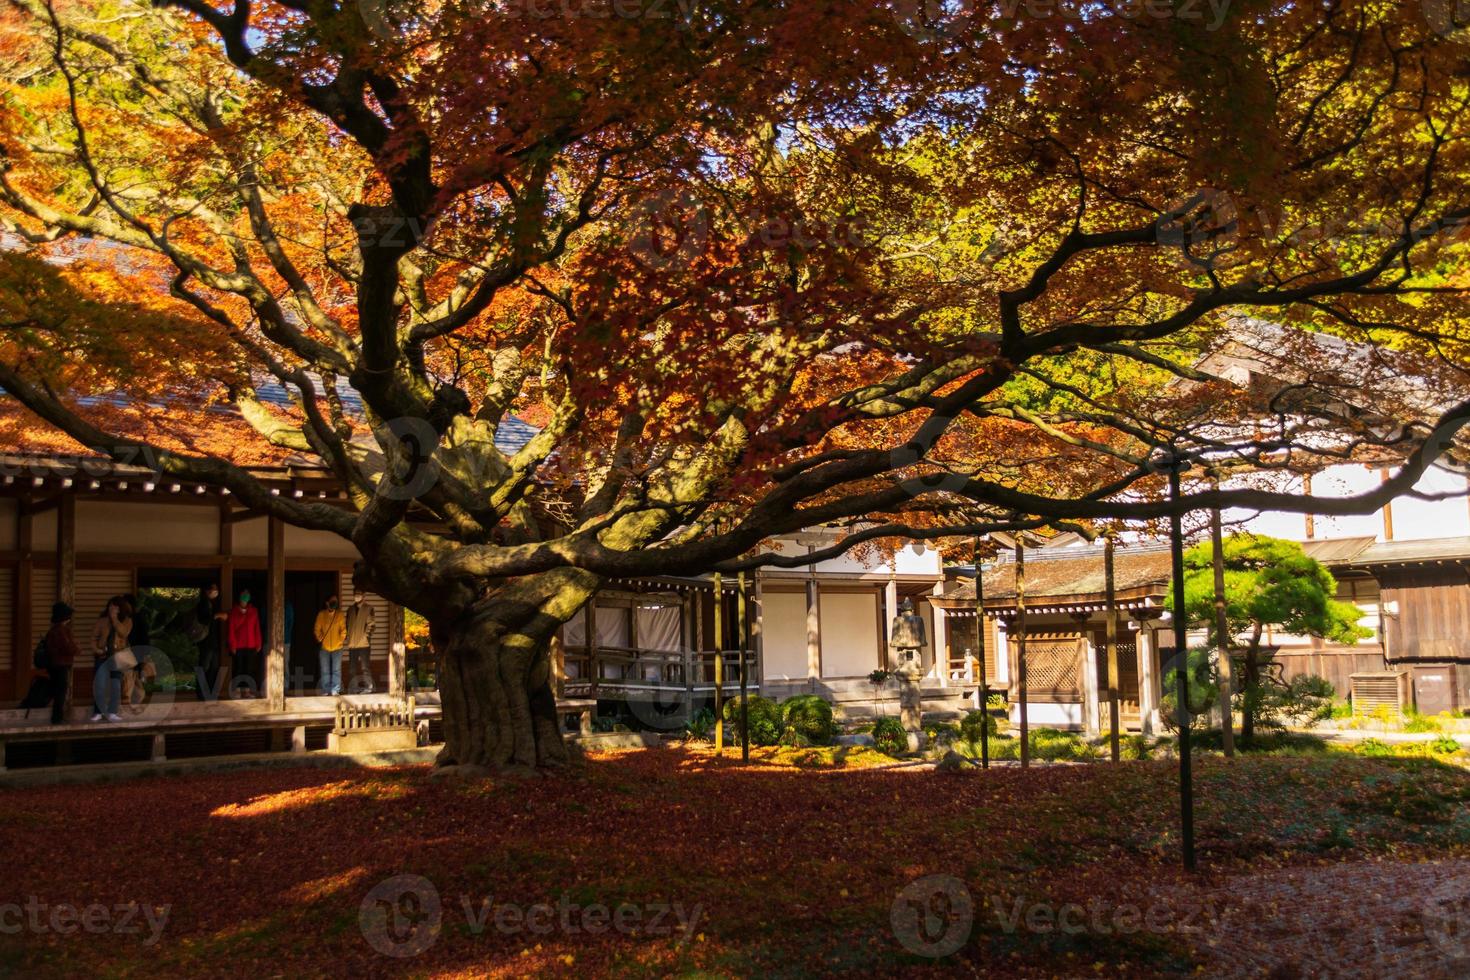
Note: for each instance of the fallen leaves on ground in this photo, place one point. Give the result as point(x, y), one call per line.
point(674, 861)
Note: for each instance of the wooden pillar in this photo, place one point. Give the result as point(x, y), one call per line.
point(757, 647)
point(594, 669)
point(742, 633)
point(66, 574)
point(1091, 683)
point(1021, 652)
point(1311, 518)
point(1222, 635)
point(25, 638)
point(813, 633)
point(1115, 721)
point(66, 549)
point(275, 588)
point(719, 635)
point(398, 656)
point(226, 592)
point(890, 610)
point(1387, 511)
point(982, 690)
point(1148, 681)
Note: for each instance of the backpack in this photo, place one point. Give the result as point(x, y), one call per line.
point(41, 656)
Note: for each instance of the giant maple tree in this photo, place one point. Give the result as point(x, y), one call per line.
point(749, 266)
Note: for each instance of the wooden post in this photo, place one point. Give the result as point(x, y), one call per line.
point(275, 587)
point(1387, 510)
point(1021, 651)
point(593, 668)
point(980, 662)
point(757, 641)
point(66, 574)
point(693, 650)
point(1311, 518)
point(1148, 678)
point(890, 610)
point(25, 638)
point(1110, 584)
point(66, 549)
point(227, 594)
point(1222, 635)
point(813, 635)
point(719, 666)
point(398, 655)
point(743, 635)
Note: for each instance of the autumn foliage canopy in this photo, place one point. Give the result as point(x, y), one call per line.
point(748, 266)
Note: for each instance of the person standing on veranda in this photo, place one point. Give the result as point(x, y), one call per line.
point(62, 653)
point(111, 656)
point(361, 621)
point(244, 636)
point(330, 630)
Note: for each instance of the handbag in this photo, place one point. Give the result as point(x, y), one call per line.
point(124, 660)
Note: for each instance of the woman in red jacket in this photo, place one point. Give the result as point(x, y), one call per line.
point(242, 635)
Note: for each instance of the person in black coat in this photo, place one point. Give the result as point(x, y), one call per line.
point(208, 615)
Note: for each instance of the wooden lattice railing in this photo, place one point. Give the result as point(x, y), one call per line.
point(374, 717)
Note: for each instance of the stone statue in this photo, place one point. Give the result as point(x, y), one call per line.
point(906, 638)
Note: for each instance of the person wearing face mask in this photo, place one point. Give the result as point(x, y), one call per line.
point(242, 633)
point(208, 620)
point(330, 630)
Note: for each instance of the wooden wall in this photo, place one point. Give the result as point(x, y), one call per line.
point(1433, 621)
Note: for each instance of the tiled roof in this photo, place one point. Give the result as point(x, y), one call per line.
point(1077, 577)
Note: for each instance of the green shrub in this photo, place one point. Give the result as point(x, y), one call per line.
point(764, 720)
point(702, 725)
point(810, 717)
point(791, 738)
point(1444, 745)
point(1005, 747)
point(1417, 723)
point(943, 730)
point(889, 737)
point(1303, 700)
point(1374, 747)
point(1051, 743)
point(1341, 710)
point(1203, 691)
point(1133, 747)
point(976, 722)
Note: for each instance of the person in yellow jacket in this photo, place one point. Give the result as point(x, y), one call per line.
point(330, 630)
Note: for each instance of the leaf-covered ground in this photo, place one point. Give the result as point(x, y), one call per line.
point(658, 862)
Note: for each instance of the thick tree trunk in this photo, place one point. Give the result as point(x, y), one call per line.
point(499, 708)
